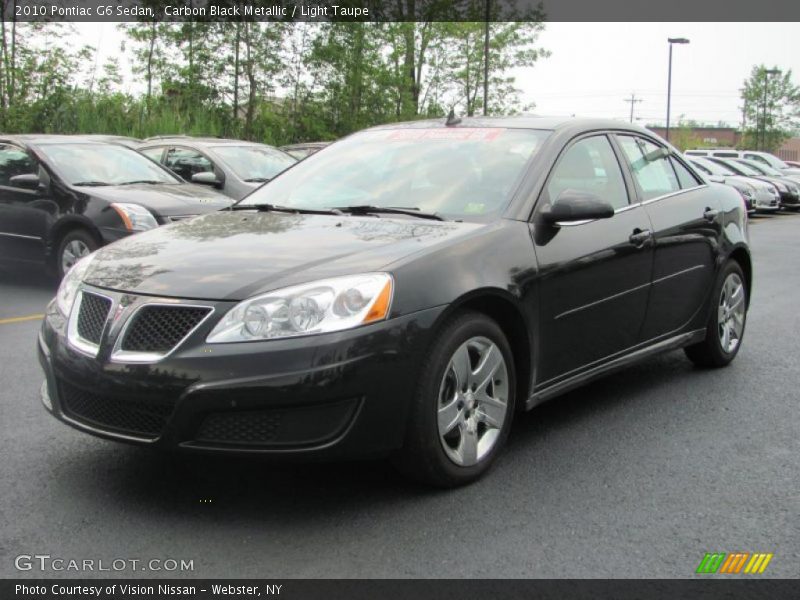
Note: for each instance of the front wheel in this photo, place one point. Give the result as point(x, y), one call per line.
point(74, 246)
point(726, 320)
point(463, 407)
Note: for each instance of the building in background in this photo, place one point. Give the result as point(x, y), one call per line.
point(687, 138)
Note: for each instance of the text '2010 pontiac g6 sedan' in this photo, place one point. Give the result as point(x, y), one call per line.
point(402, 294)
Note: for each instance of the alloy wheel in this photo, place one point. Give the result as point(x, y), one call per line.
point(731, 313)
point(473, 401)
point(74, 250)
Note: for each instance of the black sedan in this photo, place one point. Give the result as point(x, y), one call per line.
point(61, 197)
point(403, 294)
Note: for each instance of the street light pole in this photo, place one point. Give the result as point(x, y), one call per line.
point(767, 73)
point(669, 77)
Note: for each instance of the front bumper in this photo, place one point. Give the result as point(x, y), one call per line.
point(337, 395)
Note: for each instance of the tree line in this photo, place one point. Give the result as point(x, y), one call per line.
point(274, 82)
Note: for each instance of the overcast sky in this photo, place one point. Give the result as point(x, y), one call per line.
point(594, 67)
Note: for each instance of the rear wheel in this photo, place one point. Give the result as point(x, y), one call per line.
point(726, 320)
point(464, 404)
point(74, 246)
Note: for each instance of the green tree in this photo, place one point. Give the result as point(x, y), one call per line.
point(771, 107)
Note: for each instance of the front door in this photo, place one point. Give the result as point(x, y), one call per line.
point(595, 275)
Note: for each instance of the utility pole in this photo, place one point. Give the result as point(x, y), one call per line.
point(633, 100)
point(486, 60)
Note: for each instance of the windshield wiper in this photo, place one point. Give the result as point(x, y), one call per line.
point(367, 209)
point(286, 209)
point(257, 179)
point(151, 181)
point(91, 183)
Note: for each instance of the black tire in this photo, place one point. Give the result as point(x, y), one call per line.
point(710, 352)
point(74, 236)
point(423, 456)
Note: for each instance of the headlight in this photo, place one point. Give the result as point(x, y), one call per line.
point(316, 307)
point(747, 192)
point(135, 217)
point(65, 297)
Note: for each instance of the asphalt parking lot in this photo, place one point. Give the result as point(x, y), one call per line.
point(637, 475)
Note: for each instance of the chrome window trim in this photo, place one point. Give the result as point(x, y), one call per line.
point(635, 205)
point(120, 356)
point(74, 339)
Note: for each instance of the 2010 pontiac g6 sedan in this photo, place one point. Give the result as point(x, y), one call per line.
point(403, 294)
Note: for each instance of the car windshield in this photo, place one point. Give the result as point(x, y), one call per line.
point(746, 169)
point(103, 164)
point(254, 163)
point(713, 168)
point(762, 168)
point(460, 172)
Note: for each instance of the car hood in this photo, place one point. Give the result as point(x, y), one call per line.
point(234, 255)
point(164, 198)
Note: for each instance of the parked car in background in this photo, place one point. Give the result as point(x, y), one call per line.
point(760, 196)
point(788, 189)
point(61, 197)
point(130, 142)
point(301, 151)
point(403, 293)
point(793, 164)
point(763, 157)
point(234, 167)
point(769, 171)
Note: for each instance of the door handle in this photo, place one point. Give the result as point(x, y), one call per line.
point(639, 237)
point(710, 214)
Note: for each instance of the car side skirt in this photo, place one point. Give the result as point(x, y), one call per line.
point(579, 379)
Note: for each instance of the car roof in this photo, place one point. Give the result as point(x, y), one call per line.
point(305, 145)
point(198, 141)
point(25, 139)
point(522, 122)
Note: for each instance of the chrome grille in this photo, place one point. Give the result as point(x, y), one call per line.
point(92, 316)
point(157, 329)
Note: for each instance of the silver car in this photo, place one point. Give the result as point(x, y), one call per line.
point(760, 196)
point(234, 167)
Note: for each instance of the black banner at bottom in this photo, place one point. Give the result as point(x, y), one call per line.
point(389, 589)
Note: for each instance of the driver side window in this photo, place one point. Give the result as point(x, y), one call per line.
point(590, 165)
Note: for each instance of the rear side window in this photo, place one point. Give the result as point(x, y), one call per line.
point(651, 167)
point(590, 165)
point(14, 161)
point(685, 177)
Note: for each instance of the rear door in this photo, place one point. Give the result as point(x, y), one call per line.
point(595, 275)
point(686, 224)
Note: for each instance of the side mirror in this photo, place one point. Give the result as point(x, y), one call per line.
point(716, 178)
point(574, 205)
point(29, 181)
point(206, 178)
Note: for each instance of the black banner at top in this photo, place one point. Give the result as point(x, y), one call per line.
point(400, 10)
